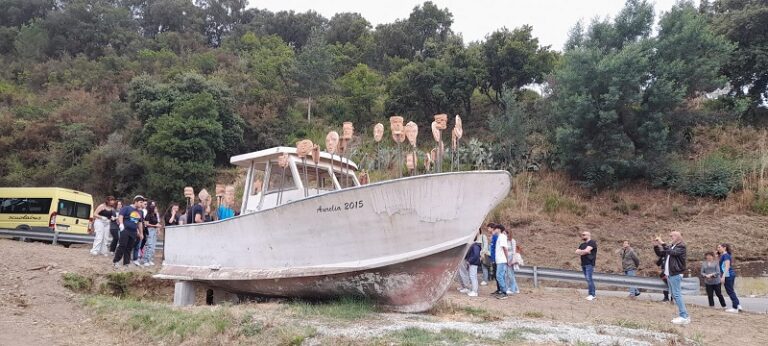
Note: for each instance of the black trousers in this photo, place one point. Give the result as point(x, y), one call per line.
point(715, 290)
point(115, 232)
point(125, 246)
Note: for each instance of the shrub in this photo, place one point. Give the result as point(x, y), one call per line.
point(713, 176)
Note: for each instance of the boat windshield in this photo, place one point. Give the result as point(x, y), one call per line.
point(318, 178)
point(278, 177)
point(345, 180)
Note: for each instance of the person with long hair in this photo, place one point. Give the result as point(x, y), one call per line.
point(728, 275)
point(114, 228)
point(710, 271)
point(172, 217)
point(104, 214)
point(153, 226)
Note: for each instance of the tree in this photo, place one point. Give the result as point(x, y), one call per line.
point(294, 28)
point(745, 22)
point(15, 13)
point(314, 66)
point(347, 28)
point(617, 86)
point(361, 89)
point(221, 17)
point(513, 59)
point(31, 42)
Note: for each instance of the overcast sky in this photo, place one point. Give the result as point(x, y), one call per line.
point(551, 19)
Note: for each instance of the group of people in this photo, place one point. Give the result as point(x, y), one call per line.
point(134, 228)
point(498, 258)
point(672, 260)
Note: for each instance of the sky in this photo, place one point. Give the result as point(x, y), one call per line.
point(473, 19)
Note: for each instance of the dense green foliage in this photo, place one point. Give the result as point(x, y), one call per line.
point(126, 96)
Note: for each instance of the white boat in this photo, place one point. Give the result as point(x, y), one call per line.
point(396, 242)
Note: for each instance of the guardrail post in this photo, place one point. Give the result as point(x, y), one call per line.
point(535, 277)
point(55, 236)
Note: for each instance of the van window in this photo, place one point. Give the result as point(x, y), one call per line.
point(25, 205)
point(74, 209)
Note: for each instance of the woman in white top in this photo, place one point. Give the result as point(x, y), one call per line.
point(510, 279)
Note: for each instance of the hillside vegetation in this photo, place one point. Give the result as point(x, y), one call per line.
point(147, 96)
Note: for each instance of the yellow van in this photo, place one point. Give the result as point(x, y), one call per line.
point(43, 208)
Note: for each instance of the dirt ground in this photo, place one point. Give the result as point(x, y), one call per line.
point(35, 309)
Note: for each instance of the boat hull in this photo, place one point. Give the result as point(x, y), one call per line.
point(397, 242)
point(411, 286)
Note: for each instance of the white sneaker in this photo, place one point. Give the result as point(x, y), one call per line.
point(732, 310)
point(105, 254)
point(146, 264)
point(680, 320)
point(151, 263)
point(136, 263)
point(509, 292)
point(591, 298)
point(472, 294)
point(94, 253)
point(483, 283)
point(117, 264)
point(463, 290)
point(739, 308)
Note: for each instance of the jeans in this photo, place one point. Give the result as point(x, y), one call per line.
point(464, 274)
point(473, 277)
point(136, 248)
point(100, 230)
point(149, 248)
point(124, 247)
point(714, 290)
point(501, 270)
point(632, 290)
point(675, 288)
point(511, 281)
point(588, 270)
point(729, 283)
point(486, 270)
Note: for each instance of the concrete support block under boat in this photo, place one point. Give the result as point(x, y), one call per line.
point(184, 293)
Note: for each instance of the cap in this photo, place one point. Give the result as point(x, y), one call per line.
point(139, 198)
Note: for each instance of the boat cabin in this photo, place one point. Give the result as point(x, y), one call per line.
point(268, 185)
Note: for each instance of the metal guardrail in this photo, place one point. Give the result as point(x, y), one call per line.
point(690, 286)
point(54, 237)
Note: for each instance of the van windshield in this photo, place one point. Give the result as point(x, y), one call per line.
point(25, 205)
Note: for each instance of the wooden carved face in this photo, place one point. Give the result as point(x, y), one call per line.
point(316, 154)
point(458, 129)
point(303, 148)
point(411, 132)
point(442, 121)
point(436, 132)
point(411, 160)
point(378, 132)
point(396, 125)
point(282, 160)
point(219, 190)
point(363, 177)
point(332, 142)
point(347, 130)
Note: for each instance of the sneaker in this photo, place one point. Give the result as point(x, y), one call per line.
point(509, 292)
point(501, 296)
point(117, 265)
point(637, 294)
point(472, 294)
point(151, 263)
point(732, 310)
point(483, 283)
point(591, 297)
point(146, 264)
point(94, 253)
point(739, 308)
point(105, 254)
point(136, 263)
point(681, 321)
point(517, 292)
point(495, 293)
point(463, 290)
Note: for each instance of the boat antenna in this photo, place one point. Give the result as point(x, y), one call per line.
point(456, 134)
point(282, 162)
point(396, 126)
point(378, 134)
point(316, 160)
point(303, 148)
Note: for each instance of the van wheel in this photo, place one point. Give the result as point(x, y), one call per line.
point(65, 244)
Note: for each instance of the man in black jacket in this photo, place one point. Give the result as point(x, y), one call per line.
point(674, 255)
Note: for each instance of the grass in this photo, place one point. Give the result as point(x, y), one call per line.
point(630, 324)
point(418, 336)
point(77, 282)
point(518, 334)
point(343, 309)
point(752, 286)
point(533, 314)
point(162, 323)
point(480, 313)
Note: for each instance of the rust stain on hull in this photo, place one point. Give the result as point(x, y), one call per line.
point(412, 286)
